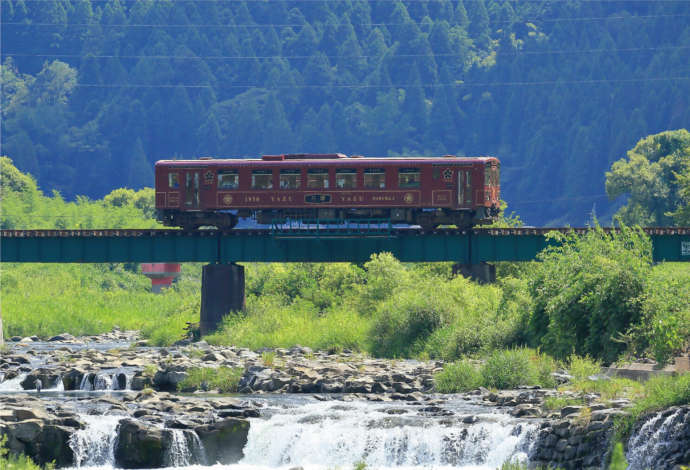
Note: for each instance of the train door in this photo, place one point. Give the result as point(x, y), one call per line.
point(191, 190)
point(465, 187)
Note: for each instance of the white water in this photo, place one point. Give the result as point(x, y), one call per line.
point(12, 385)
point(179, 454)
point(652, 439)
point(333, 434)
point(95, 444)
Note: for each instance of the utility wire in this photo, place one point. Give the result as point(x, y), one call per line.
point(297, 25)
point(412, 85)
point(348, 56)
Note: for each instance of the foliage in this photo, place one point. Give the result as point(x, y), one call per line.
point(223, 379)
point(379, 79)
point(581, 368)
point(587, 291)
point(658, 393)
point(47, 299)
point(664, 329)
point(24, 206)
point(501, 369)
point(653, 174)
point(508, 369)
point(267, 323)
point(618, 461)
point(460, 376)
point(559, 401)
point(10, 461)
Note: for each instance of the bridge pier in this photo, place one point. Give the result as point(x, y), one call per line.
point(483, 272)
point(222, 291)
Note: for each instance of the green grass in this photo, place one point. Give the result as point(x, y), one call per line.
point(268, 323)
point(460, 376)
point(558, 402)
point(656, 394)
point(502, 369)
point(46, 299)
point(223, 379)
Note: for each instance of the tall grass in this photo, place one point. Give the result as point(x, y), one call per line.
point(501, 369)
point(268, 323)
point(46, 299)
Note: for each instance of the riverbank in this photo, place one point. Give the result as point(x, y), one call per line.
point(129, 395)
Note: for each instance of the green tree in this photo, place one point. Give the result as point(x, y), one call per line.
point(654, 177)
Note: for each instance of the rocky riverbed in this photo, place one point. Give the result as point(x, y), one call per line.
point(114, 400)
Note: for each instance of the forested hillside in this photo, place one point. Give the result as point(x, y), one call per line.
point(95, 91)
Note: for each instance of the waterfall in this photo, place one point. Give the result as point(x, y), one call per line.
point(86, 384)
point(13, 385)
point(328, 435)
point(103, 382)
point(185, 448)
point(654, 439)
point(95, 444)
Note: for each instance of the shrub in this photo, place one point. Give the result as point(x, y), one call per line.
point(581, 368)
point(223, 379)
point(587, 291)
point(664, 329)
point(460, 376)
point(405, 321)
point(508, 369)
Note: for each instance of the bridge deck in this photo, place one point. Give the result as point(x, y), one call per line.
point(332, 245)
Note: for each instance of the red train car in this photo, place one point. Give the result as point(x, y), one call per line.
point(426, 191)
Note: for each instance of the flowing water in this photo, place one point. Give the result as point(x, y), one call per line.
point(319, 435)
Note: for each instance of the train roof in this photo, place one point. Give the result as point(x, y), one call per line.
point(321, 159)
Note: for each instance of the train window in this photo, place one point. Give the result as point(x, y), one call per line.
point(375, 178)
point(468, 187)
point(173, 181)
point(228, 179)
point(409, 177)
point(346, 179)
point(290, 179)
point(262, 179)
point(317, 178)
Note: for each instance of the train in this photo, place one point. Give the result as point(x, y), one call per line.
point(274, 189)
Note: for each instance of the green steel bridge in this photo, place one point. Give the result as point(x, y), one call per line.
point(302, 245)
point(223, 281)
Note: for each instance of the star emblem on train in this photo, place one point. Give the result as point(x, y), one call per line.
point(208, 177)
point(447, 174)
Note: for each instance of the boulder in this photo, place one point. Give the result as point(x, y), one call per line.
point(71, 380)
point(169, 379)
point(139, 445)
point(223, 441)
point(48, 379)
point(44, 443)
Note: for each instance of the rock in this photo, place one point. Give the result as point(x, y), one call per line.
point(569, 410)
point(140, 381)
point(139, 445)
point(71, 380)
point(62, 337)
point(47, 377)
point(169, 379)
point(223, 441)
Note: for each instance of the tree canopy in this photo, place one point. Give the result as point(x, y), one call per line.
point(95, 91)
point(655, 177)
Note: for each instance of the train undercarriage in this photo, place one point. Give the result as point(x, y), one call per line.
point(428, 219)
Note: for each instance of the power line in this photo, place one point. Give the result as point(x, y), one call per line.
point(298, 25)
point(413, 85)
point(349, 56)
point(266, 3)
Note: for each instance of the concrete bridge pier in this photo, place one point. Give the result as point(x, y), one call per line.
point(222, 291)
point(482, 272)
